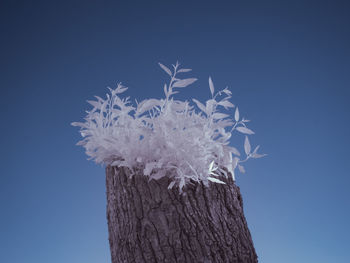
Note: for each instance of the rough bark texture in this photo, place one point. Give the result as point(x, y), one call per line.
point(149, 223)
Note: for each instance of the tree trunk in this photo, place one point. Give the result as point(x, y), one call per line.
point(149, 223)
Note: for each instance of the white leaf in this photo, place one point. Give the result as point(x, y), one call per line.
point(226, 104)
point(211, 166)
point(237, 114)
point(184, 83)
point(211, 86)
point(244, 130)
point(241, 169)
point(227, 91)
point(120, 89)
point(78, 124)
point(184, 70)
point(213, 174)
point(218, 115)
point(171, 185)
point(247, 145)
point(200, 105)
point(147, 105)
point(166, 69)
point(214, 180)
point(165, 90)
point(257, 155)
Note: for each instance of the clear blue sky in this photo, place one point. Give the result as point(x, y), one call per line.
point(286, 62)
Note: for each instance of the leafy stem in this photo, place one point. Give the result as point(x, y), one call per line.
point(170, 88)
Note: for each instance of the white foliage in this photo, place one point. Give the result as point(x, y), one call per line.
point(244, 130)
point(247, 146)
point(166, 137)
point(236, 114)
point(211, 86)
point(183, 83)
point(215, 180)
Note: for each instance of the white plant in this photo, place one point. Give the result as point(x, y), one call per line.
point(167, 137)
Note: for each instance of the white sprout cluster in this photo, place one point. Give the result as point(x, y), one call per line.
point(167, 137)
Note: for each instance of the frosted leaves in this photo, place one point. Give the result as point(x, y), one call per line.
point(167, 137)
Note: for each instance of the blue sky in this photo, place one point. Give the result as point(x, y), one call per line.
point(286, 62)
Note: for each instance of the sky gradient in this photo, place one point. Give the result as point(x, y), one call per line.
point(287, 64)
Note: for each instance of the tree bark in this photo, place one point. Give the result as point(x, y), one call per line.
point(149, 223)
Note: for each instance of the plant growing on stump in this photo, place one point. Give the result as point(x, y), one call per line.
point(170, 174)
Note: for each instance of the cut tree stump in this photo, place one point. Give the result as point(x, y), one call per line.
point(149, 223)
